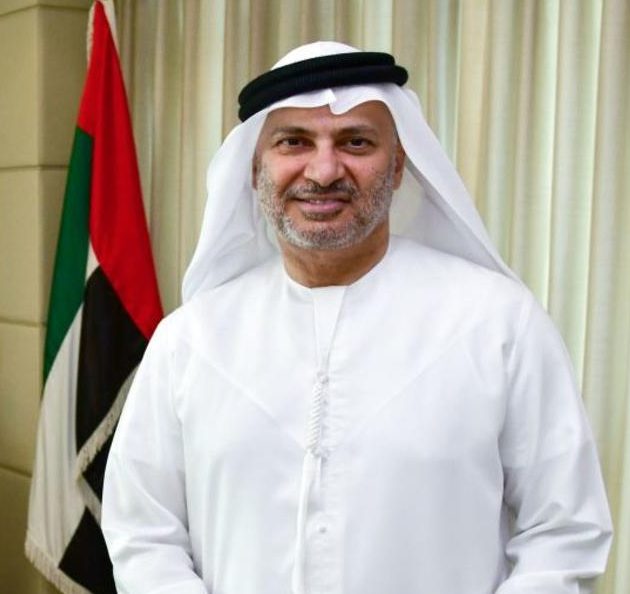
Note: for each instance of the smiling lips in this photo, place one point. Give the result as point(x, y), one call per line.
point(318, 206)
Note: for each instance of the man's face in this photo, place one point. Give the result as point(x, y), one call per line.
point(325, 181)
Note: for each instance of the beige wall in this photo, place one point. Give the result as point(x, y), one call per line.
point(42, 64)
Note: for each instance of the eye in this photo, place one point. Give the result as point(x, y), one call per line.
point(288, 143)
point(358, 143)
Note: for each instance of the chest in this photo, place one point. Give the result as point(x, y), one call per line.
point(408, 387)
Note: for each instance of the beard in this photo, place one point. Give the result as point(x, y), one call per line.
point(370, 209)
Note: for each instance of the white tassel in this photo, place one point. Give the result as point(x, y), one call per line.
point(309, 472)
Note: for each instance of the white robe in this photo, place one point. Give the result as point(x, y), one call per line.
point(452, 451)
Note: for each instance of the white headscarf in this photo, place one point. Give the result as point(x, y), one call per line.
point(432, 205)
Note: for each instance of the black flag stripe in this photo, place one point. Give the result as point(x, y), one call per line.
point(94, 570)
point(110, 349)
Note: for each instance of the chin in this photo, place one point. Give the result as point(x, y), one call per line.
point(328, 238)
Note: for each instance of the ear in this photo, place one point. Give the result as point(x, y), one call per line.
point(255, 165)
point(399, 164)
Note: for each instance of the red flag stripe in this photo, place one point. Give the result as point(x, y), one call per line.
point(118, 229)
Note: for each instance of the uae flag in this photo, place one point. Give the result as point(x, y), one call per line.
point(104, 306)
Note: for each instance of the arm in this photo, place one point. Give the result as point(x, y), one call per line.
point(144, 517)
point(561, 530)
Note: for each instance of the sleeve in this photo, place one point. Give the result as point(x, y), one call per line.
point(561, 529)
point(144, 516)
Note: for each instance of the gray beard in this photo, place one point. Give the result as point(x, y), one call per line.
point(373, 210)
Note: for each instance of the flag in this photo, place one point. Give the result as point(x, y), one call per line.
point(104, 305)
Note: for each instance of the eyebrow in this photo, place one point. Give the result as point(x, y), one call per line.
point(288, 130)
point(358, 129)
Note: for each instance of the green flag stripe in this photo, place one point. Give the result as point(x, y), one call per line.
point(68, 280)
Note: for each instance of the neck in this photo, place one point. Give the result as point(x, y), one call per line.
point(322, 268)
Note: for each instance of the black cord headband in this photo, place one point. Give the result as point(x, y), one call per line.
point(355, 68)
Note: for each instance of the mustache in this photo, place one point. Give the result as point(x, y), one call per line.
point(312, 188)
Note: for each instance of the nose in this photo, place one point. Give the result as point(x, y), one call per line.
point(324, 166)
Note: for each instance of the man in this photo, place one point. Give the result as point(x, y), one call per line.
point(337, 409)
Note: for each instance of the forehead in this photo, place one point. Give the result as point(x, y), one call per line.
point(372, 115)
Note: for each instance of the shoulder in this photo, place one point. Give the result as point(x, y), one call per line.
point(454, 281)
point(216, 310)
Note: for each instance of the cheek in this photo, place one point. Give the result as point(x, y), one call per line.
point(373, 175)
point(282, 172)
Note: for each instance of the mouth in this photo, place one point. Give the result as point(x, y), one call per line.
point(323, 197)
point(322, 206)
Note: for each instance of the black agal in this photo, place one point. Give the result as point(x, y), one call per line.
point(338, 70)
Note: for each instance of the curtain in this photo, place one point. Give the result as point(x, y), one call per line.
point(529, 97)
